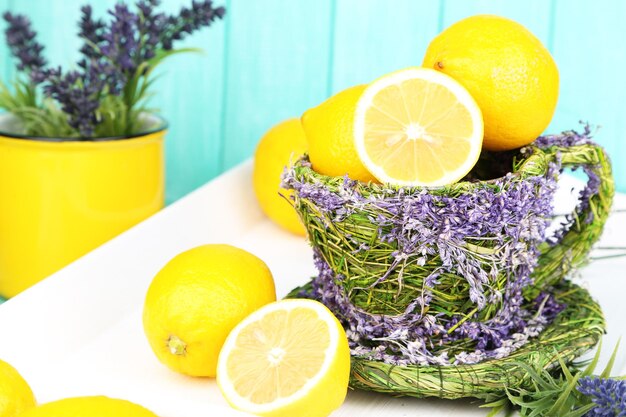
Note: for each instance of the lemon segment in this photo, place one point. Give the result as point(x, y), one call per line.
point(418, 127)
point(288, 358)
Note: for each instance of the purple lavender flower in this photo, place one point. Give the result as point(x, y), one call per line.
point(78, 96)
point(23, 44)
point(120, 42)
point(202, 13)
point(566, 139)
point(112, 53)
point(150, 26)
point(608, 395)
point(91, 31)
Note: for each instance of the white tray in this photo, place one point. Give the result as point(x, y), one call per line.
point(79, 332)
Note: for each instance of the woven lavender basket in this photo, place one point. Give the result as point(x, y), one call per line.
point(444, 291)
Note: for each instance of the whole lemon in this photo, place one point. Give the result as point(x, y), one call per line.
point(329, 131)
point(279, 147)
point(507, 70)
point(197, 299)
point(89, 407)
point(15, 394)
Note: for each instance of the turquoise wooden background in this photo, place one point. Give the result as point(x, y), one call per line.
point(273, 59)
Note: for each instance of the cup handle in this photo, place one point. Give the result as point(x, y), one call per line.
point(574, 240)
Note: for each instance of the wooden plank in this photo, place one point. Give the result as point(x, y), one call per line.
point(589, 49)
point(6, 61)
point(5, 57)
point(189, 95)
point(277, 67)
point(376, 37)
point(56, 27)
point(284, 57)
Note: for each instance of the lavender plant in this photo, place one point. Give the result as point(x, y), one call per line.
point(571, 392)
point(22, 43)
point(107, 92)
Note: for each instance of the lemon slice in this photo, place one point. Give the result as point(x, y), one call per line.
point(418, 127)
point(289, 358)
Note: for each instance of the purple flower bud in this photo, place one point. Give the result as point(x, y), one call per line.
point(608, 395)
point(201, 14)
point(91, 31)
point(23, 45)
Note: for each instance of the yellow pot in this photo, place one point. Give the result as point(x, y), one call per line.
point(59, 199)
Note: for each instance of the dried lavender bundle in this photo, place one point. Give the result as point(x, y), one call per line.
point(575, 330)
point(456, 276)
point(412, 338)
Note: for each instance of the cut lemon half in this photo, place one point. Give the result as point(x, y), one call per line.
point(418, 127)
point(289, 358)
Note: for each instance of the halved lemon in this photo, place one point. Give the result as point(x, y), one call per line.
point(289, 358)
point(418, 127)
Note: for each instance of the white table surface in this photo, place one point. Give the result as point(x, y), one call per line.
point(79, 332)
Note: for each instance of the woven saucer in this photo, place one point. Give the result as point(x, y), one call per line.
point(577, 329)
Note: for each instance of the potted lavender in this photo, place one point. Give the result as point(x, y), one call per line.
point(81, 154)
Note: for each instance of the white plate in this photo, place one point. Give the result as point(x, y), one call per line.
point(79, 332)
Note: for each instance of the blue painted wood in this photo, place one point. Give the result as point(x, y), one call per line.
point(273, 59)
point(56, 27)
point(380, 38)
point(277, 66)
point(589, 47)
point(189, 94)
point(6, 69)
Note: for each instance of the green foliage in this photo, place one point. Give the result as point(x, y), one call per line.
point(38, 116)
point(551, 393)
point(118, 115)
point(107, 92)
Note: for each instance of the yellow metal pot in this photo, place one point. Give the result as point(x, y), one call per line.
point(59, 199)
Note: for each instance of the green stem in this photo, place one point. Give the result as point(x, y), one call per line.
point(176, 346)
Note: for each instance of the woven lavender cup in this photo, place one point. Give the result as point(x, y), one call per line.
point(455, 275)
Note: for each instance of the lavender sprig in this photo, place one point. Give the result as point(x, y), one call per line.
point(120, 40)
point(150, 26)
point(79, 97)
point(607, 395)
point(23, 44)
point(567, 140)
point(92, 32)
point(572, 392)
point(202, 13)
